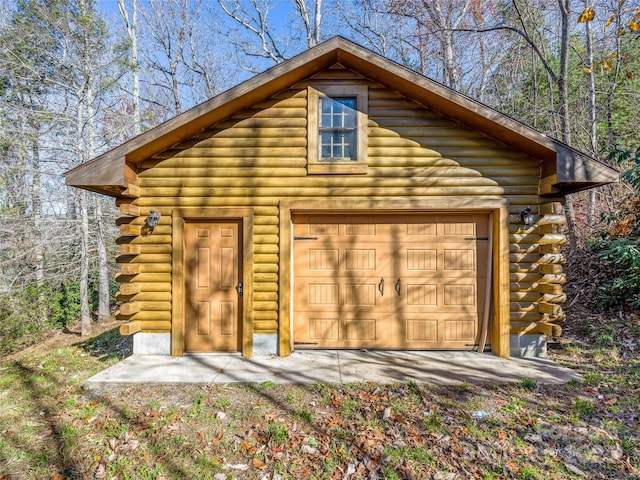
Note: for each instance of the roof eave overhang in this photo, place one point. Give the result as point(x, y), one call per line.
point(572, 170)
point(108, 172)
point(114, 171)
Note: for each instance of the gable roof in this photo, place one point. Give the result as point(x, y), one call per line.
point(564, 169)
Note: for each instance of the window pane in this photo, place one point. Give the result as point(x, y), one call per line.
point(349, 103)
point(326, 150)
point(337, 145)
point(349, 151)
point(337, 129)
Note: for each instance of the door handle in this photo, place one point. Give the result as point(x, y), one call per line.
point(381, 287)
point(398, 286)
point(240, 289)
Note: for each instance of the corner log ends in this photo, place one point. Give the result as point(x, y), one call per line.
point(536, 272)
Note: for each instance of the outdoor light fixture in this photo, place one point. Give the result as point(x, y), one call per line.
point(153, 219)
point(527, 217)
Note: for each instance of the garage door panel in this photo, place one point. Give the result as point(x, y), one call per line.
point(459, 331)
point(429, 258)
point(456, 259)
point(322, 329)
point(429, 266)
point(420, 295)
point(346, 293)
point(323, 294)
point(430, 331)
point(317, 258)
point(421, 330)
point(332, 330)
point(360, 294)
point(419, 259)
point(459, 295)
point(320, 259)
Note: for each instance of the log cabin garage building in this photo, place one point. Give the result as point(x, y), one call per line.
point(340, 200)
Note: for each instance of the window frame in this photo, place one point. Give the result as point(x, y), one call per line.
point(315, 164)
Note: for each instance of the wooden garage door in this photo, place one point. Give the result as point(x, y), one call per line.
point(388, 281)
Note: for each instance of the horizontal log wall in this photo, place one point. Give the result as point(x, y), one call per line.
point(258, 157)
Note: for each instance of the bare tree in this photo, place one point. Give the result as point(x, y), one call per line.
point(312, 27)
point(260, 40)
point(131, 24)
point(586, 18)
point(439, 39)
point(370, 21)
point(252, 19)
point(180, 55)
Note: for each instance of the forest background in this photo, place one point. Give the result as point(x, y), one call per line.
point(78, 77)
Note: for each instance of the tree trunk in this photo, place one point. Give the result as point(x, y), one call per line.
point(104, 313)
point(81, 152)
point(614, 82)
point(593, 141)
point(36, 203)
point(563, 75)
point(565, 120)
point(132, 32)
point(446, 24)
point(85, 312)
point(312, 28)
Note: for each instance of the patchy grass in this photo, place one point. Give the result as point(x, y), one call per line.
point(51, 428)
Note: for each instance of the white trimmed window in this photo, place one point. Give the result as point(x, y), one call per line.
point(337, 129)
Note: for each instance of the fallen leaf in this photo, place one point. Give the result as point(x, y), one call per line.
point(616, 453)
point(387, 413)
point(309, 450)
point(575, 470)
point(259, 464)
point(101, 471)
point(444, 476)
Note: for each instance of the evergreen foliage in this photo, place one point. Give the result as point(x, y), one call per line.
point(619, 246)
point(27, 316)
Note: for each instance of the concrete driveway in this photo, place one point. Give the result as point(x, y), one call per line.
point(332, 366)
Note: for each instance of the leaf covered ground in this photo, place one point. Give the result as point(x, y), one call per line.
point(50, 428)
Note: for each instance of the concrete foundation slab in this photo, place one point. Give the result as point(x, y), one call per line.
point(151, 343)
point(528, 346)
point(331, 366)
point(265, 345)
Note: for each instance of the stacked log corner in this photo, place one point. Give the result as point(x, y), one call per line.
point(145, 270)
point(536, 271)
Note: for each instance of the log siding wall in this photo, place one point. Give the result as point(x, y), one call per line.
point(258, 157)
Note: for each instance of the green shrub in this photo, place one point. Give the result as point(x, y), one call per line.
point(27, 315)
point(619, 247)
point(622, 255)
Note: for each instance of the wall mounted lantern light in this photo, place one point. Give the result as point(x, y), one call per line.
point(527, 217)
point(153, 219)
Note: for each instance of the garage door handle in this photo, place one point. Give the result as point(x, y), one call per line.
point(381, 287)
point(398, 286)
